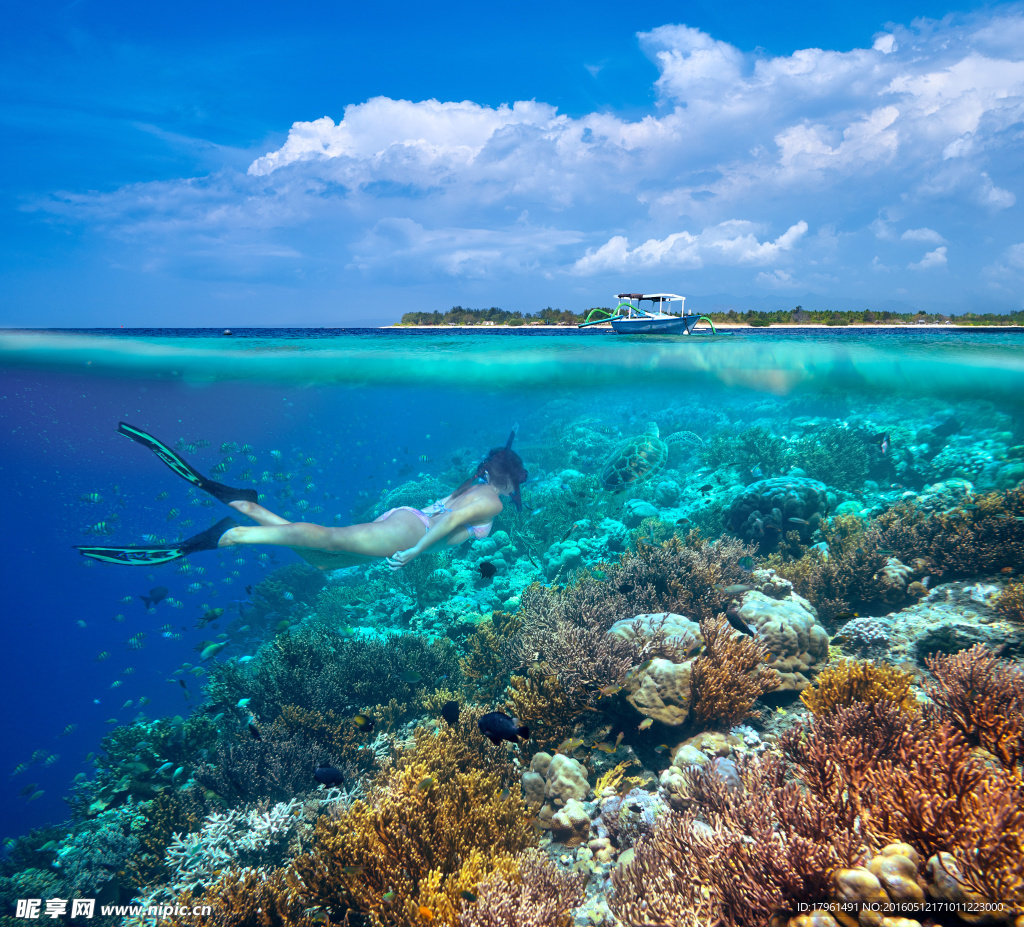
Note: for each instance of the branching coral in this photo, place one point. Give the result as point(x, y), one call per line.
point(426, 819)
point(316, 669)
point(752, 447)
point(983, 696)
point(985, 535)
point(1011, 601)
point(938, 797)
point(246, 898)
point(485, 665)
point(846, 575)
point(759, 850)
point(345, 744)
point(537, 895)
point(278, 766)
point(539, 700)
point(849, 681)
point(835, 455)
point(729, 676)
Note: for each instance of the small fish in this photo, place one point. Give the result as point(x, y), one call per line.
point(450, 712)
point(469, 896)
point(243, 703)
point(70, 729)
point(797, 521)
point(661, 748)
point(737, 589)
point(497, 726)
point(426, 913)
point(645, 724)
point(81, 623)
point(160, 496)
point(426, 783)
point(160, 770)
point(173, 513)
point(611, 689)
point(253, 730)
point(212, 650)
point(328, 775)
point(885, 445)
point(706, 488)
point(125, 599)
point(363, 722)
point(605, 747)
point(92, 497)
point(569, 744)
point(353, 870)
point(388, 897)
point(635, 808)
point(845, 616)
point(212, 615)
point(487, 569)
point(884, 553)
point(410, 676)
point(746, 563)
point(178, 772)
point(36, 795)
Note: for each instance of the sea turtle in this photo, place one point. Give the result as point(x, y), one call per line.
point(635, 460)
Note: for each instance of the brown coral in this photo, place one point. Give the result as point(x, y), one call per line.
point(246, 898)
point(983, 696)
point(538, 895)
point(1011, 601)
point(739, 856)
point(539, 700)
point(729, 676)
point(850, 681)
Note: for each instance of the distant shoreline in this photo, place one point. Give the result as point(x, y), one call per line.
point(729, 325)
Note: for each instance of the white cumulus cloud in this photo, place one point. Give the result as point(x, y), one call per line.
point(931, 260)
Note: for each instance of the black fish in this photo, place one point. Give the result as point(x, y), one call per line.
point(450, 712)
point(497, 726)
point(156, 595)
point(248, 590)
point(738, 623)
point(255, 731)
point(707, 487)
point(328, 775)
point(487, 569)
point(181, 682)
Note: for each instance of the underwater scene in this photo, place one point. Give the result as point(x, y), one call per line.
point(513, 628)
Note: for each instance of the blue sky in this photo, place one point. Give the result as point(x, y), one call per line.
point(333, 164)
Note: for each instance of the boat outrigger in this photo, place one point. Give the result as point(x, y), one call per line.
point(630, 317)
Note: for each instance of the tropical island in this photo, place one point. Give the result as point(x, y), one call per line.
point(458, 317)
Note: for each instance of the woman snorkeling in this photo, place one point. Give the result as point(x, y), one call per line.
point(400, 534)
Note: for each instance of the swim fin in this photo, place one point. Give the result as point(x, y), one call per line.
point(185, 470)
point(150, 556)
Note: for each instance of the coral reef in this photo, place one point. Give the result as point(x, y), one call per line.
point(729, 675)
point(431, 817)
point(788, 627)
point(983, 696)
point(540, 895)
point(768, 509)
point(849, 681)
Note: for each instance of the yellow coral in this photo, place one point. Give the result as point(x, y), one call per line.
point(484, 666)
point(433, 823)
point(850, 681)
point(611, 778)
point(539, 700)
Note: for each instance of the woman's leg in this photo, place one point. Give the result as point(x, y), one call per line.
point(399, 531)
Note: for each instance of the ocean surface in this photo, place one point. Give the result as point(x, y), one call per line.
point(342, 419)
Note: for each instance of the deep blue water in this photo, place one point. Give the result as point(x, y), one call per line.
point(367, 405)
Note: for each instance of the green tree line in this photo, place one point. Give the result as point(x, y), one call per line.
point(459, 316)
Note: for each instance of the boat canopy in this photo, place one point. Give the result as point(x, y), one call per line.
point(654, 297)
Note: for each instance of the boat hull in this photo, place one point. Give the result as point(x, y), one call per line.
point(664, 325)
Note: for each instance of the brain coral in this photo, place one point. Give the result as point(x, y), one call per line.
point(790, 630)
point(764, 511)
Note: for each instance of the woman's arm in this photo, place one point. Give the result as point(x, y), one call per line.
point(480, 509)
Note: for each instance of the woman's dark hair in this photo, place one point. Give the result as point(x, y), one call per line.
point(503, 465)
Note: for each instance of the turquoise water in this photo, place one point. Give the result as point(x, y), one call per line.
point(350, 422)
